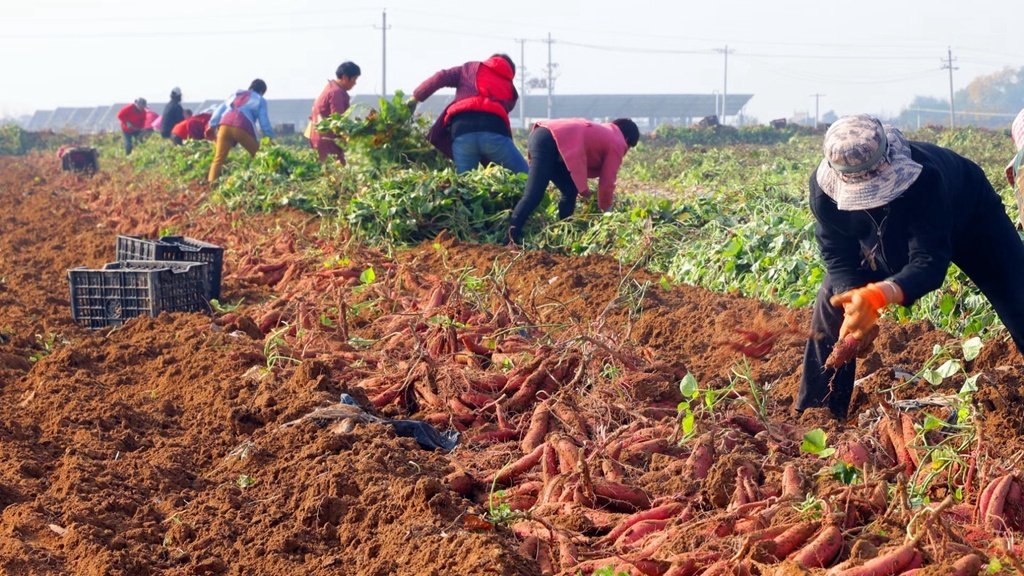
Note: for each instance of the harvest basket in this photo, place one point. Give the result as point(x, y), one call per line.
point(124, 290)
point(177, 248)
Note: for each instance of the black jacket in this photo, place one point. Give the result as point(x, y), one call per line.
point(173, 114)
point(912, 239)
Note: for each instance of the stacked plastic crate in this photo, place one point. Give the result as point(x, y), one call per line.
point(171, 274)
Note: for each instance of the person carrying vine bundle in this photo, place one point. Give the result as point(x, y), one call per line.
point(566, 152)
point(234, 121)
point(892, 215)
point(475, 128)
point(333, 99)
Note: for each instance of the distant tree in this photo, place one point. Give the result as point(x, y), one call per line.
point(829, 117)
point(1000, 93)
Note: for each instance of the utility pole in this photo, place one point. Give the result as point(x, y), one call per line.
point(384, 57)
point(522, 82)
point(725, 80)
point(816, 97)
point(551, 80)
point(948, 64)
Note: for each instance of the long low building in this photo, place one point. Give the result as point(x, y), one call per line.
point(649, 110)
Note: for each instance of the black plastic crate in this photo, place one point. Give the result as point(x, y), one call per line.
point(124, 290)
point(80, 159)
point(178, 248)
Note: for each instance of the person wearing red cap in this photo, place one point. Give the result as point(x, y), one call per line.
point(892, 215)
point(133, 122)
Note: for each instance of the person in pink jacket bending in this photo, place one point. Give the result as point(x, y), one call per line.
point(566, 152)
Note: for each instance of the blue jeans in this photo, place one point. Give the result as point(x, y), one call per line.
point(129, 137)
point(470, 149)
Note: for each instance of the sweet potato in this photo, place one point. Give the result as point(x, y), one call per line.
point(700, 460)
point(850, 347)
point(993, 515)
point(517, 468)
point(638, 530)
point(621, 497)
point(969, 565)
point(793, 538)
point(910, 438)
point(792, 485)
point(487, 382)
point(538, 428)
point(888, 564)
point(984, 498)
point(658, 513)
point(821, 550)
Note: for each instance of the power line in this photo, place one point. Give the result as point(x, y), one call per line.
point(134, 34)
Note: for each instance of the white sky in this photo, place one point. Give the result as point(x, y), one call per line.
point(873, 58)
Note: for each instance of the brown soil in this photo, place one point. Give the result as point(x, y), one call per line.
point(158, 447)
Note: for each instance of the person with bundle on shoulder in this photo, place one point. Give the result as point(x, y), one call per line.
point(566, 152)
point(892, 215)
point(234, 122)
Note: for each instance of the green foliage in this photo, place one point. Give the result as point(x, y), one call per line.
point(408, 206)
point(389, 136)
point(277, 176)
point(727, 218)
point(816, 442)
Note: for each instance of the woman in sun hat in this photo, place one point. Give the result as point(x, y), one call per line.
point(891, 217)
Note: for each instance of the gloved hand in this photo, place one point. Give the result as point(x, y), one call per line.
point(862, 305)
point(412, 102)
point(131, 127)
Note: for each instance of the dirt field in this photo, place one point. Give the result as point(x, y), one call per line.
point(161, 446)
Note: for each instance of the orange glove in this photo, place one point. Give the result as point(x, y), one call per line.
point(861, 307)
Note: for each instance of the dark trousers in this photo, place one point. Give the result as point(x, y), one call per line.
point(546, 166)
point(989, 252)
point(129, 139)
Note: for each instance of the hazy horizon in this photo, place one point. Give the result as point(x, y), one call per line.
point(71, 54)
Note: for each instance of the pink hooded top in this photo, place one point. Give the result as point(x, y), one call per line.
point(589, 150)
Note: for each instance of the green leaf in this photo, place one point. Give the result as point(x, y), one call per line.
point(972, 347)
point(950, 368)
point(665, 284)
point(844, 472)
point(368, 276)
point(932, 423)
point(816, 442)
point(688, 386)
point(932, 376)
point(688, 421)
point(970, 385)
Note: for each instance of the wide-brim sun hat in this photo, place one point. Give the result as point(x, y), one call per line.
point(866, 163)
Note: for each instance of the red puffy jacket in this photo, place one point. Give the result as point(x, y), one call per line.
point(479, 86)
